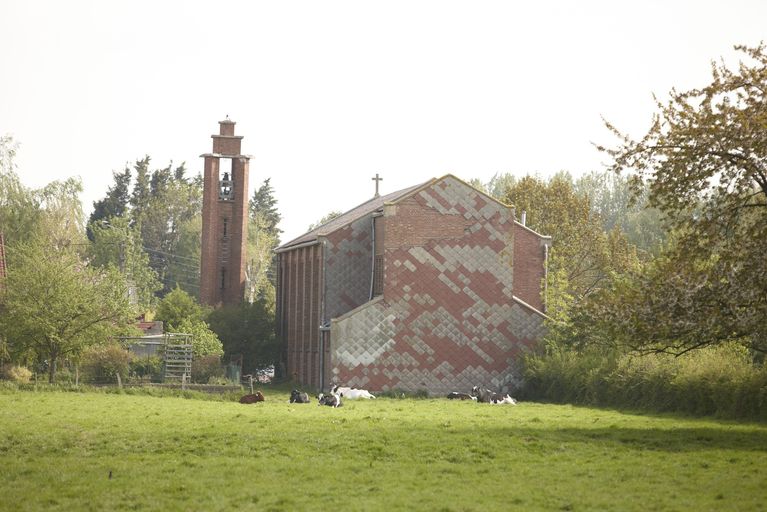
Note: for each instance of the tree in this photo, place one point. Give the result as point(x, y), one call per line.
point(260, 267)
point(173, 202)
point(581, 249)
point(62, 218)
point(181, 313)
point(139, 199)
point(612, 198)
point(247, 330)
point(178, 306)
point(204, 341)
point(704, 160)
point(115, 204)
point(263, 205)
point(324, 220)
point(263, 238)
point(115, 242)
point(55, 305)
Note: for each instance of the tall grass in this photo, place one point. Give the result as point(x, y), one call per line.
point(717, 381)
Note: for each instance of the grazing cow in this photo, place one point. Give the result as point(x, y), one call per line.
point(351, 393)
point(252, 398)
point(455, 395)
point(299, 397)
point(329, 400)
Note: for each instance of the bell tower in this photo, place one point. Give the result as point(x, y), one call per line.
point(224, 219)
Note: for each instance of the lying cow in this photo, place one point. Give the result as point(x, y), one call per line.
point(350, 393)
point(487, 396)
point(252, 398)
point(329, 400)
point(455, 395)
point(505, 400)
point(299, 397)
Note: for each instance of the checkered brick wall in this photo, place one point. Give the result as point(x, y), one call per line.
point(348, 265)
point(448, 318)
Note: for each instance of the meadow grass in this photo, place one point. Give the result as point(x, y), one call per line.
point(57, 451)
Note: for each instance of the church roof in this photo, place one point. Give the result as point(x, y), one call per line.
point(347, 218)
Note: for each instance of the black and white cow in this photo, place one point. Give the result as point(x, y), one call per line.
point(299, 397)
point(487, 396)
point(329, 400)
point(350, 393)
point(455, 395)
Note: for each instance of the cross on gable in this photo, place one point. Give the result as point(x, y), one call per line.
point(377, 179)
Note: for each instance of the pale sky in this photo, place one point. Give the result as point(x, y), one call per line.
point(327, 94)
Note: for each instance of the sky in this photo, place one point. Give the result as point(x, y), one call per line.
point(327, 94)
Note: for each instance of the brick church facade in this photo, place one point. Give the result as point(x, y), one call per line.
point(436, 287)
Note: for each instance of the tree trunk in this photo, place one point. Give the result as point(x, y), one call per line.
point(52, 370)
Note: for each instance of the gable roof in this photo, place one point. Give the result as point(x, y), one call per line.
point(374, 204)
point(347, 218)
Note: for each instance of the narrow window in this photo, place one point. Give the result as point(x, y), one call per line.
point(225, 222)
point(223, 277)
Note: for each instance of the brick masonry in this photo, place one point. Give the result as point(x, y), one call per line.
point(224, 222)
point(461, 296)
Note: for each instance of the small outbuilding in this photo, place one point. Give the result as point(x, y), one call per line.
point(435, 287)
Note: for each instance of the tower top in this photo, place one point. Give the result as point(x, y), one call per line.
point(226, 143)
point(226, 127)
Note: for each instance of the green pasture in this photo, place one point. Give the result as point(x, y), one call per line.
point(57, 451)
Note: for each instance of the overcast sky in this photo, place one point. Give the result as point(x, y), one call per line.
point(327, 94)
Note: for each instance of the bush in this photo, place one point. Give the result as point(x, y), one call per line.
point(17, 374)
point(206, 369)
point(147, 368)
point(720, 381)
point(103, 363)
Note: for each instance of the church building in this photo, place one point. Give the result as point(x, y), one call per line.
point(435, 287)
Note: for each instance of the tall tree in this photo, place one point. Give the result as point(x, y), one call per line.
point(118, 244)
point(263, 205)
point(172, 204)
point(584, 258)
point(115, 203)
point(704, 159)
point(139, 200)
point(613, 198)
point(62, 218)
point(247, 331)
point(55, 305)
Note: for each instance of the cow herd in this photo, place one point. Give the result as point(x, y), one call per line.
point(333, 399)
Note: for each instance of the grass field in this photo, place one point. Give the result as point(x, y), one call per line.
point(57, 451)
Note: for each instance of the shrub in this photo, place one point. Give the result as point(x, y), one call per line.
point(144, 368)
point(103, 363)
point(207, 369)
point(17, 374)
point(720, 381)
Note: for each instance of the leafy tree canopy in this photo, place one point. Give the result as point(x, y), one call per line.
point(704, 161)
point(178, 306)
point(247, 330)
point(55, 305)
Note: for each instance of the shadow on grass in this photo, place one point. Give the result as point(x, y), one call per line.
point(669, 440)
